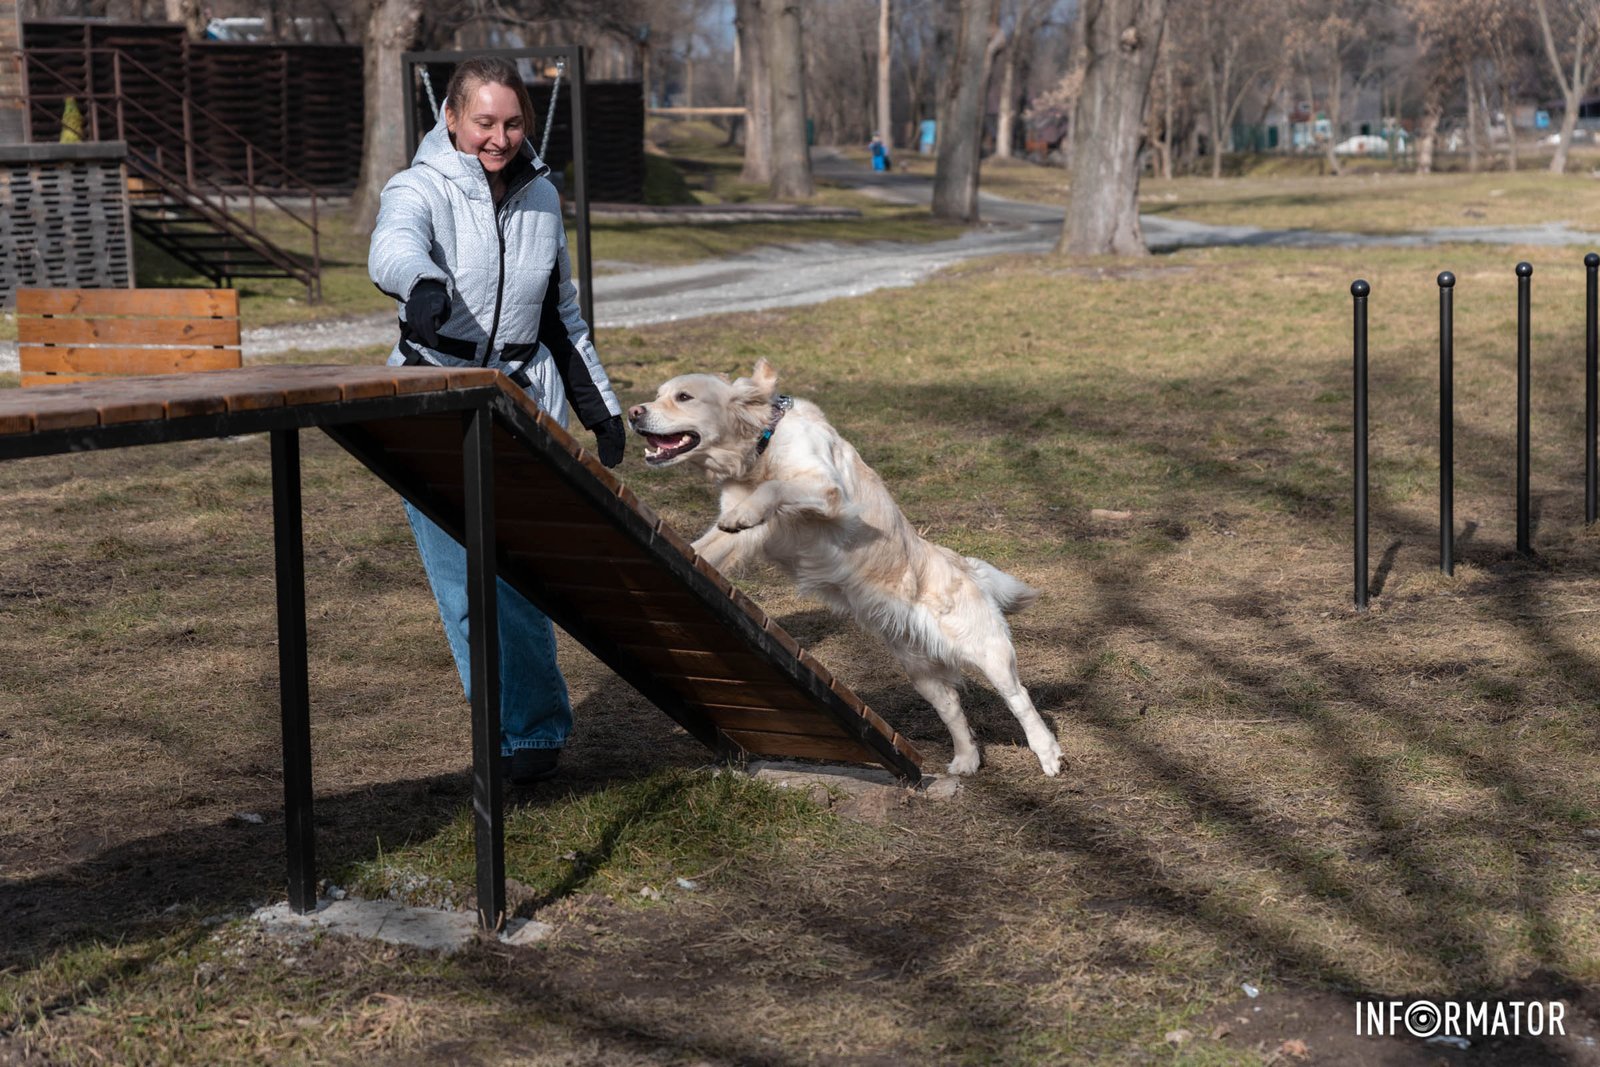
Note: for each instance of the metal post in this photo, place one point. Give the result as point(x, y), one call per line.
point(91, 103)
point(188, 140)
point(1359, 289)
point(250, 179)
point(1447, 428)
point(293, 689)
point(1524, 374)
point(316, 251)
point(580, 175)
point(27, 100)
point(1591, 263)
point(116, 87)
point(483, 628)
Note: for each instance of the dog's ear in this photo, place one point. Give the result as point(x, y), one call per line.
point(765, 376)
point(756, 391)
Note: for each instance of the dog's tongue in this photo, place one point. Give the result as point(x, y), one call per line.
point(658, 440)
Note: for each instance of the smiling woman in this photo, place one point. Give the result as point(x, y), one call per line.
point(470, 242)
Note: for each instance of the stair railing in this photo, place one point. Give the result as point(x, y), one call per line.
point(148, 154)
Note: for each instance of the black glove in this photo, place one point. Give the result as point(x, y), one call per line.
point(427, 310)
point(612, 439)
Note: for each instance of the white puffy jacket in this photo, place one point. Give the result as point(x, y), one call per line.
point(513, 305)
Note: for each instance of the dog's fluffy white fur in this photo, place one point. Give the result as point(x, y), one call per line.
point(812, 506)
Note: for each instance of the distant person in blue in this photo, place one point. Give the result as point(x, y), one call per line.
point(927, 133)
point(880, 153)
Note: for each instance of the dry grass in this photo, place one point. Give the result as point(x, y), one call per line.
point(1261, 784)
point(1375, 200)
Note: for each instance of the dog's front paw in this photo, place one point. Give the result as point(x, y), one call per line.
point(1050, 758)
point(739, 519)
point(964, 763)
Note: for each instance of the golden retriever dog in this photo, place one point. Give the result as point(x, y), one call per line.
point(796, 492)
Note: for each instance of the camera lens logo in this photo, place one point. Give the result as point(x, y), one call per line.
point(1423, 1019)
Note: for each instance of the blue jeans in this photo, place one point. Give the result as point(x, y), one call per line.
point(534, 709)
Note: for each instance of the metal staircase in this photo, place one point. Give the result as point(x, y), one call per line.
point(187, 194)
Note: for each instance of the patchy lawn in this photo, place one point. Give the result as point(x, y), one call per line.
point(1261, 786)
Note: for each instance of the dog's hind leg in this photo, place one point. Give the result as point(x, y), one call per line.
point(998, 664)
point(946, 700)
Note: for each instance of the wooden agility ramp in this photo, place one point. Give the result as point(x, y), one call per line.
point(471, 451)
point(576, 542)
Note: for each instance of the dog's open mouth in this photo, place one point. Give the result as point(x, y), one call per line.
point(663, 447)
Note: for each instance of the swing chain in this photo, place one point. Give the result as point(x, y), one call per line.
point(550, 115)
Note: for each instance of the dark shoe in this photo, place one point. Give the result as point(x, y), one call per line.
point(526, 766)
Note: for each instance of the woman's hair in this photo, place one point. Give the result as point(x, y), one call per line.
point(488, 70)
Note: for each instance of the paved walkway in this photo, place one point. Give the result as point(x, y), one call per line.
point(788, 276)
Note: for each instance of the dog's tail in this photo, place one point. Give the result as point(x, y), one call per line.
point(1009, 594)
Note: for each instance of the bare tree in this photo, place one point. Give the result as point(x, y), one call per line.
point(791, 159)
point(1121, 40)
point(840, 63)
point(1325, 34)
point(391, 29)
point(757, 91)
point(1018, 25)
point(960, 114)
point(918, 29)
point(885, 121)
point(1437, 63)
point(1235, 46)
point(1573, 60)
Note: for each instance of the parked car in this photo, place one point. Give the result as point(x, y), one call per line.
point(1365, 144)
point(1578, 134)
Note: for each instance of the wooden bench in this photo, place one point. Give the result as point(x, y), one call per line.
point(85, 335)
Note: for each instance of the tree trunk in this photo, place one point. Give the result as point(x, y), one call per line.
point(191, 14)
point(391, 29)
point(1214, 114)
point(1335, 109)
point(1122, 39)
point(1511, 126)
point(1473, 163)
point(885, 68)
point(757, 89)
point(1166, 116)
point(1005, 128)
point(791, 159)
point(960, 114)
point(1571, 88)
point(1428, 133)
point(1569, 122)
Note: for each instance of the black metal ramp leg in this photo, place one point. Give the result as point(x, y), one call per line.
point(294, 691)
point(483, 627)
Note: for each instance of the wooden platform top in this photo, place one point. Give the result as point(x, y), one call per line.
point(178, 396)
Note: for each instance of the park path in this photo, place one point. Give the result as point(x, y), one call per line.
point(793, 275)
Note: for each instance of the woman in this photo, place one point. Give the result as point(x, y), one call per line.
point(470, 241)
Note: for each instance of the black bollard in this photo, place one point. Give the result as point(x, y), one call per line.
point(1524, 374)
point(1591, 405)
point(1359, 289)
point(1447, 426)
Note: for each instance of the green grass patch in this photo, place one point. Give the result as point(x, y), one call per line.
point(626, 837)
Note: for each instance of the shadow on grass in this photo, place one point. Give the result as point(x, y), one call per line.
point(1426, 876)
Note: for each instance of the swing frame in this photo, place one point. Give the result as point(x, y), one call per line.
point(571, 56)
